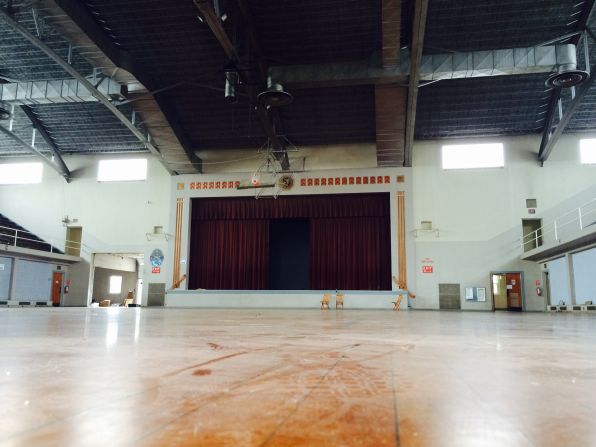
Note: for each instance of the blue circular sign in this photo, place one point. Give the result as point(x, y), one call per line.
point(156, 257)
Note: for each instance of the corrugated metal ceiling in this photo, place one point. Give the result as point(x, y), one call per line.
point(174, 47)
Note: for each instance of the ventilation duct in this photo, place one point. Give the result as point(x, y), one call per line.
point(56, 92)
point(512, 61)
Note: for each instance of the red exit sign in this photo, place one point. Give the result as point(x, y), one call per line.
point(427, 269)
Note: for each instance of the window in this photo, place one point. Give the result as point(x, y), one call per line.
point(122, 170)
point(470, 156)
point(587, 151)
point(115, 284)
point(20, 173)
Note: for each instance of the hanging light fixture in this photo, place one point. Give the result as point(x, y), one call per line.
point(275, 96)
point(232, 80)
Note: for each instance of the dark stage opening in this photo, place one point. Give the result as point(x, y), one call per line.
point(289, 254)
point(320, 242)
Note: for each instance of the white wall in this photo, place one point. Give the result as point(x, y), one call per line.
point(479, 212)
point(115, 262)
point(481, 204)
point(341, 156)
point(115, 216)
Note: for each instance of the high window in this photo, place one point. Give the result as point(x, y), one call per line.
point(115, 284)
point(587, 151)
point(473, 156)
point(122, 170)
point(20, 173)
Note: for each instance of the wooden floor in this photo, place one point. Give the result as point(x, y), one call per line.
point(168, 377)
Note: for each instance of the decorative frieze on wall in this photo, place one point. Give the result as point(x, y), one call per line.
point(342, 181)
point(307, 182)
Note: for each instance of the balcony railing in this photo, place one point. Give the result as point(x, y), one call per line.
point(25, 239)
point(564, 228)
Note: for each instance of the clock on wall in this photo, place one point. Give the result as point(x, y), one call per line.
point(285, 182)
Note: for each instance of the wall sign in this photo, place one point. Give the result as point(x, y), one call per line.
point(427, 269)
point(156, 258)
point(476, 294)
point(155, 269)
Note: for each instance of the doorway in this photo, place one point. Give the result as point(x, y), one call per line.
point(289, 254)
point(116, 278)
point(532, 232)
point(546, 287)
point(507, 291)
point(74, 236)
point(57, 279)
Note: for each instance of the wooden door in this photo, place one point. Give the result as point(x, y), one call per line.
point(74, 236)
point(499, 283)
point(514, 291)
point(57, 287)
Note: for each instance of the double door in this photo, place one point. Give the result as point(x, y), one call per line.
point(507, 291)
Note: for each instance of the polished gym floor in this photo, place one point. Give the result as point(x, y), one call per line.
point(181, 377)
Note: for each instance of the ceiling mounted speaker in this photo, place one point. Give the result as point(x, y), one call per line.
point(275, 96)
point(567, 78)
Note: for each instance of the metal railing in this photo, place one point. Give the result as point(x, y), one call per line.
point(25, 239)
point(566, 225)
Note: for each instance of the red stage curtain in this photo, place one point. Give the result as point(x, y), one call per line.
point(292, 207)
point(350, 254)
point(229, 254)
point(349, 241)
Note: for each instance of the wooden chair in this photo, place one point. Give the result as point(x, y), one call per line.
point(402, 286)
point(339, 300)
point(325, 301)
point(128, 300)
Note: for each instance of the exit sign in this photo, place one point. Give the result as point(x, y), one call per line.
point(427, 269)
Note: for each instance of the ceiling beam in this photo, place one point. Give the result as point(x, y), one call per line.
point(551, 135)
point(551, 132)
point(269, 117)
point(418, 30)
point(214, 23)
point(253, 35)
point(38, 125)
point(391, 21)
point(390, 115)
point(33, 150)
point(267, 120)
point(83, 29)
point(34, 40)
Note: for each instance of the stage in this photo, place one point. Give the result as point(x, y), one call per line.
point(283, 299)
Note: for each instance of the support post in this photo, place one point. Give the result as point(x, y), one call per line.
point(59, 169)
point(37, 125)
point(420, 12)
